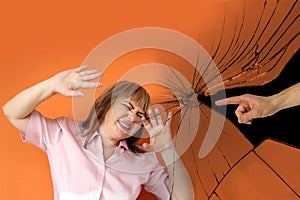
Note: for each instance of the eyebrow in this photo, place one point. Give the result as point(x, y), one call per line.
point(133, 108)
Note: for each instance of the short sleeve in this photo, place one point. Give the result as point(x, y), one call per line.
point(158, 183)
point(41, 131)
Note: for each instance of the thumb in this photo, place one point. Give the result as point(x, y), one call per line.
point(247, 117)
point(147, 147)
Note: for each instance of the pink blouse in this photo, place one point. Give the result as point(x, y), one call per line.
point(80, 173)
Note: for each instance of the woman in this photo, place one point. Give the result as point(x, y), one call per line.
point(99, 158)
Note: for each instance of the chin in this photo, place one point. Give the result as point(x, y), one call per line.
point(128, 129)
point(127, 135)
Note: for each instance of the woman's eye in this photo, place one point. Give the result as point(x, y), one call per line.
point(127, 106)
point(140, 116)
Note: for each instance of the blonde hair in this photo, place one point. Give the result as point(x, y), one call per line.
point(118, 91)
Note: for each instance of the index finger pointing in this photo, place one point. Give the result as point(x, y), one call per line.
point(230, 100)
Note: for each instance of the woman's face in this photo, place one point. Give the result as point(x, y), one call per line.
point(123, 120)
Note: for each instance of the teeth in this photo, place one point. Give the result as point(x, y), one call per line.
point(123, 124)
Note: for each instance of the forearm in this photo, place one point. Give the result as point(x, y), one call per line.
point(287, 98)
point(180, 182)
point(25, 102)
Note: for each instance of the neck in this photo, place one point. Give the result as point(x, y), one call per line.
point(106, 140)
point(108, 145)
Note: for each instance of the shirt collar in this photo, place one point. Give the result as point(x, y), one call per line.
point(123, 145)
point(88, 138)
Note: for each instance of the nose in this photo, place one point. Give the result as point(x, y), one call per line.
point(132, 115)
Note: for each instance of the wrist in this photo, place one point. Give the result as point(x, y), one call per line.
point(51, 86)
point(169, 154)
point(48, 88)
point(277, 102)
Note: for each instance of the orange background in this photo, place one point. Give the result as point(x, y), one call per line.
point(41, 38)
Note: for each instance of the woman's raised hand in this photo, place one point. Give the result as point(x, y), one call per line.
point(160, 133)
point(69, 82)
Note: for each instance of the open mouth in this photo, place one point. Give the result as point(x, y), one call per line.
point(125, 125)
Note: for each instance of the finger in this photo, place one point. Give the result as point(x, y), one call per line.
point(89, 85)
point(81, 68)
point(88, 72)
point(146, 124)
point(243, 120)
point(169, 118)
point(158, 117)
point(240, 113)
point(249, 116)
point(91, 76)
point(249, 122)
point(230, 100)
point(240, 110)
point(245, 114)
point(152, 119)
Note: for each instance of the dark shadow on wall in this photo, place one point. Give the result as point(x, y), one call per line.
point(284, 126)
